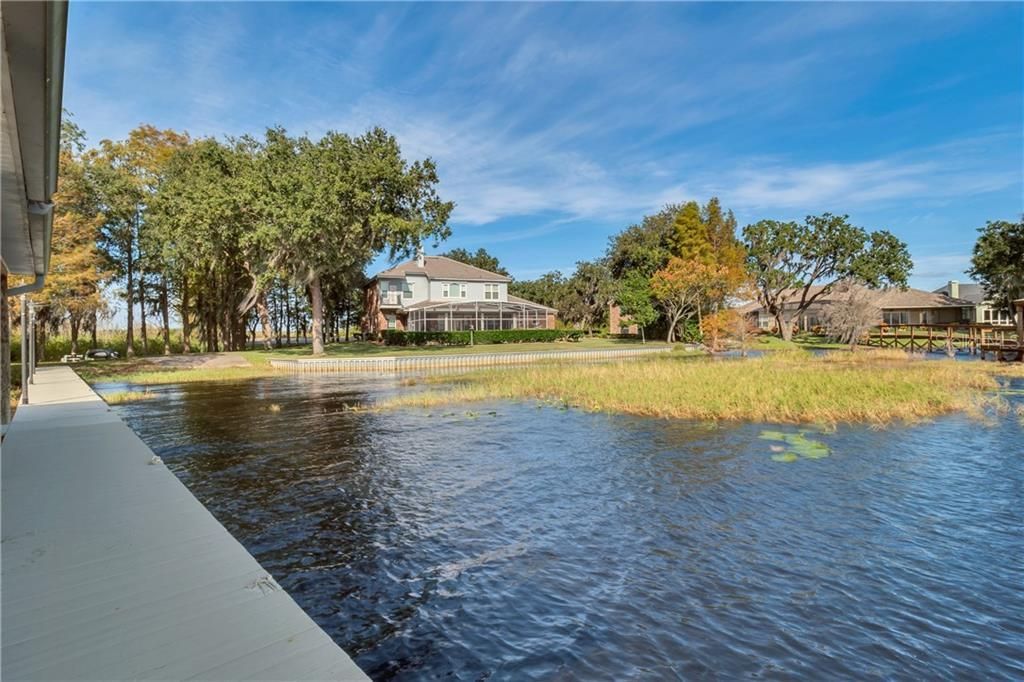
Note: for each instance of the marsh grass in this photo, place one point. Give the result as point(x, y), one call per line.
point(148, 374)
point(873, 387)
point(122, 397)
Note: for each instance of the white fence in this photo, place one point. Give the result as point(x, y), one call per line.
point(416, 362)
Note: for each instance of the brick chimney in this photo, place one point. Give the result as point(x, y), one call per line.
point(954, 289)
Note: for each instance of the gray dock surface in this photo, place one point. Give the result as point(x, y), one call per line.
point(113, 570)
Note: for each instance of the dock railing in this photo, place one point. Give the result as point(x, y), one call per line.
point(973, 338)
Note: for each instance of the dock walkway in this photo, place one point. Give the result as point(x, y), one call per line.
point(113, 570)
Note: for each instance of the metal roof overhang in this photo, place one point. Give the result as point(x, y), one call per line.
point(33, 42)
point(471, 306)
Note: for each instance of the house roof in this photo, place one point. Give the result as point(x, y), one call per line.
point(975, 293)
point(517, 299)
point(442, 267)
point(462, 305)
point(887, 299)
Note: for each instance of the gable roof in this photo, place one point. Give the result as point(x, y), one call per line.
point(890, 298)
point(970, 291)
point(442, 267)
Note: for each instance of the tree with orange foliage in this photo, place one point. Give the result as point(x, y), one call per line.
point(77, 268)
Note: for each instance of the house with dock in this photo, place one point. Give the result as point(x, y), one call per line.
point(985, 311)
point(436, 293)
point(896, 307)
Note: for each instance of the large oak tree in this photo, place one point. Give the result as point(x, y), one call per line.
point(795, 264)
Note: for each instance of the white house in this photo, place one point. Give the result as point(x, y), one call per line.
point(984, 311)
point(435, 293)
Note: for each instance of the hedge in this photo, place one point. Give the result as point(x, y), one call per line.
point(59, 346)
point(462, 338)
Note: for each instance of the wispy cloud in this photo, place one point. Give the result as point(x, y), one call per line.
point(556, 124)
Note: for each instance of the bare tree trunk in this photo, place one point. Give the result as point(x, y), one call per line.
point(264, 312)
point(287, 317)
point(75, 323)
point(130, 340)
point(165, 310)
point(143, 336)
point(316, 302)
point(186, 326)
point(785, 325)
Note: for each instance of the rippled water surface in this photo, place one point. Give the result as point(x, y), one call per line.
point(508, 540)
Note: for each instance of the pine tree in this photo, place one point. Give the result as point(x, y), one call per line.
point(690, 235)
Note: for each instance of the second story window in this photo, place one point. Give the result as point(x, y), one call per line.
point(406, 290)
point(490, 292)
point(453, 290)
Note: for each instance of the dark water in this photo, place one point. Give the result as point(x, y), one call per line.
point(539, 543)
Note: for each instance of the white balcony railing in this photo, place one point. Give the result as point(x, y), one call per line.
point(391, 298)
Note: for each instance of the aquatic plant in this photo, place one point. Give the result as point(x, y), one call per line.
point(873, 387)
point(122, 397)
point(800, 446)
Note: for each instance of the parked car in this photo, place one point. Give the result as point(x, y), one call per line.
point(101, 354)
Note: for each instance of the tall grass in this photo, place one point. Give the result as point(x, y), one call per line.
point(795, 387)
point(148, 374)
point(122, 397)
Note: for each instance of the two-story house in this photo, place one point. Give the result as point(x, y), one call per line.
point(435, 293)
point(984, 311)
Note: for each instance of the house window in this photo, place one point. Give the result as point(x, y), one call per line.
point(453, 290)
point(490, 292)
point(406, 290)
point(392, 321)
point(987, 315)
point(895, 318)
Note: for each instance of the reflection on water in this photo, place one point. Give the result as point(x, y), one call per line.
point(553, 544)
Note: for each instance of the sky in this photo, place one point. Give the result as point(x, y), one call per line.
point(555, 126)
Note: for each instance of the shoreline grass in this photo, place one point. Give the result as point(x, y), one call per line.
point(873, 387)
point(364, 349)
point(149, 374)
point(121, 397)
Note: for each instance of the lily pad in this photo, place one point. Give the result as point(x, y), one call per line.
point(786, 457)
point(799, 445)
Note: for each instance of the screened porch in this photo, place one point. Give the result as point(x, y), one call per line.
point(479, 315)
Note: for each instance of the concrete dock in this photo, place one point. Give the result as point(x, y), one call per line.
point(113, 570)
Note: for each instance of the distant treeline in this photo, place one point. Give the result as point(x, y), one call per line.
point(226, 234)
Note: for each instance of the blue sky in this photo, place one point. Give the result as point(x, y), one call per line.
point(557, 125)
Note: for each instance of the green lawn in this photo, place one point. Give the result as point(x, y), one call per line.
point(772, 342)
point(357, 349)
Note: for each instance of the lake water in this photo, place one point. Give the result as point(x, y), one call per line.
point(511, 541)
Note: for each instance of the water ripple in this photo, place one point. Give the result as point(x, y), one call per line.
point(551, 544)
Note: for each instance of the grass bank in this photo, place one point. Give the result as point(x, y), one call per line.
point(121, 397)
point(875, 387)
point(363, 349)
point(147, 373)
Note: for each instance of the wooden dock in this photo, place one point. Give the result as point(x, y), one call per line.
point(998, 341)
point(113, 570)
point(411, 363)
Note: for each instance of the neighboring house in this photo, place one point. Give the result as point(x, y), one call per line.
point(615, 326)
point(434, 293)
point(984, 311)
point(897, 306)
